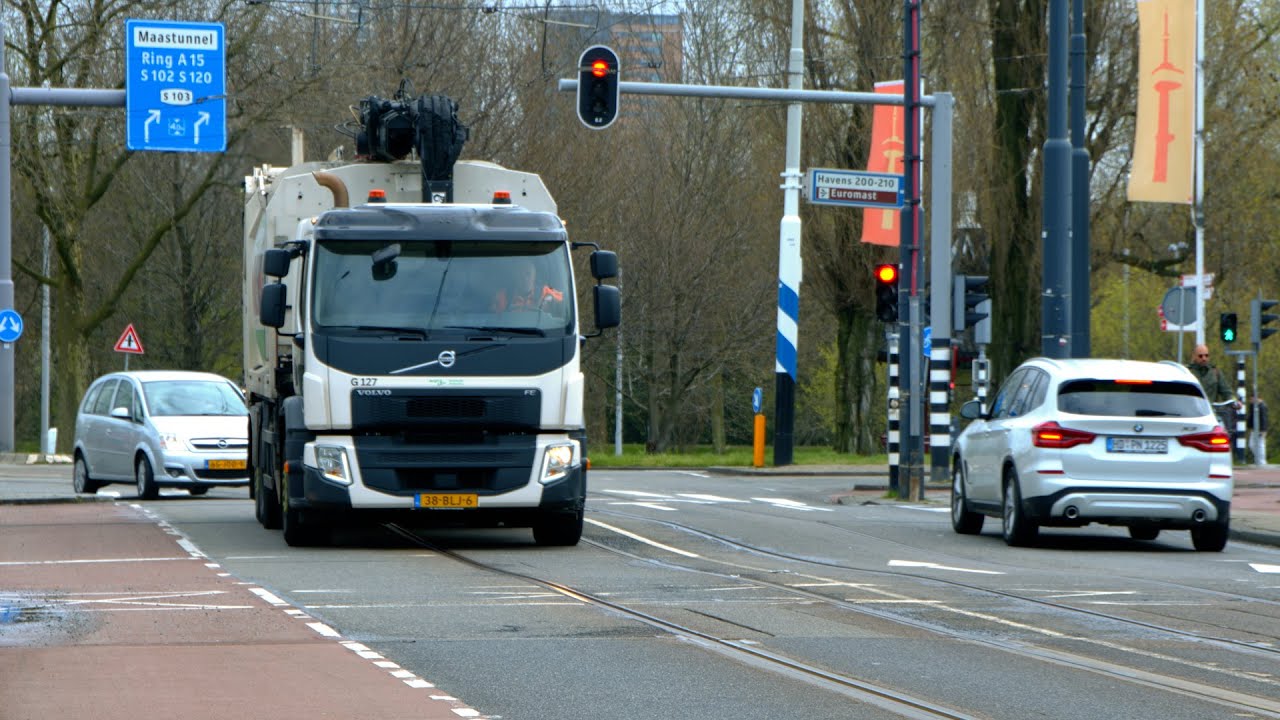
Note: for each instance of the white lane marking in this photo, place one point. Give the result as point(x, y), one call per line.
point(322, 590)
point(651, 506)
point(268, 596)
point(11, 563)
point(637, 493)
point(189, 546)
point(323, 629)
point(1091, 593)
point(1264, 568)
point(644, 540)
point(926, 508)
point(936, 566)
point(418, 683)
point(693, 473)
point(790, 504)
point(710, 498)
point(466, 712)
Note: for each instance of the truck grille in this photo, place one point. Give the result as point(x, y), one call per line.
point(487, 465)
point(408, 409)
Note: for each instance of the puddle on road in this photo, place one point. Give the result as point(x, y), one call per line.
point(36, 620)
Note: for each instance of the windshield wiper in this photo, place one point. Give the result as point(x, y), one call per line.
point(539, 332)
point(391, 330)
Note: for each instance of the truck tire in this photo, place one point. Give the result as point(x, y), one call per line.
point(302, 529)
point(266, 504)
point(559, 529)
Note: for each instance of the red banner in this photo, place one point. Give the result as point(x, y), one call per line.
point(888, 146)
point(1164, 136)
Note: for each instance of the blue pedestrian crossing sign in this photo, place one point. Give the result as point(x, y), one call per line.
point(10, 326)
point(175, 86)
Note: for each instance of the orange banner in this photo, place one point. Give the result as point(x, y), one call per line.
point(1164, 138)
point(888, 145)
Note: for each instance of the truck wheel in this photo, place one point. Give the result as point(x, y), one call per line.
point(266, 506)
point(301, 529)
point(558, 528)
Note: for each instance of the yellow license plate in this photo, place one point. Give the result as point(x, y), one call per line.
point(227, 464)
point(444, 501)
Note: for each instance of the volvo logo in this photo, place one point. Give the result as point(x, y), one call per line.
point(445, 359)
point(1138, 427)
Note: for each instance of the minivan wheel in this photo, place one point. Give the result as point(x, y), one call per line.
point(146, 479)
point(963, 520)
point(80, 478)
point(1018, 530)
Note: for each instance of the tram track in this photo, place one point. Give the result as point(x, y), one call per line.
point(858, 689)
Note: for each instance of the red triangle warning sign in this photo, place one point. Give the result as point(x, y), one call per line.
point(129, 342)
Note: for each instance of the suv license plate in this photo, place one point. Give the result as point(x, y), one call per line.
point(1141, 446)
point(446, 501)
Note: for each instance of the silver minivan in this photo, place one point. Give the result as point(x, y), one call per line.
point(162, 428)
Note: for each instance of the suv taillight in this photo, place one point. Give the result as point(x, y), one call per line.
point(1216, 440)
point(1052, 435)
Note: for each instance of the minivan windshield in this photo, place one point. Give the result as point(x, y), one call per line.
point(434, 288)
point(193, 397)
point(1118, 398)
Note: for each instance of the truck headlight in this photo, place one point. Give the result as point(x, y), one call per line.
point(557, 459)
point(332, 462)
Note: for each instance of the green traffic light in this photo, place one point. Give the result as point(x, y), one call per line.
point(1228, 335)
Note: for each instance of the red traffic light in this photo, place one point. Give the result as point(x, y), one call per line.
point(599, 68)
point(887, 273)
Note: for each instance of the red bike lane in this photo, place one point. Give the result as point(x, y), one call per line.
point(109, 614)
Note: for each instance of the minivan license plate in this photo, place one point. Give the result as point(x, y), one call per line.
point(445, 501)
point(1142, 446)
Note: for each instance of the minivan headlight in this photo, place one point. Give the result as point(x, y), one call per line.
point(557, 459)
point(332, 462)
point(170, 442)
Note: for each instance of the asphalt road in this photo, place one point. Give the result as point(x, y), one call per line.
point(1090, 624)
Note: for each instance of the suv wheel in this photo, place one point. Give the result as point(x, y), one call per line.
point(1212, 537)
point(1018, 530)
point(963, 520)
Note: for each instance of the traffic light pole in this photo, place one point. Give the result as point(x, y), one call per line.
point(912, 400)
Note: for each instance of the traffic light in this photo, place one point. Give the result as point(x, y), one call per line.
point(598, 87)
point(1227, 327)
point(887, 293)
point(1259, 317)
point(967, 292)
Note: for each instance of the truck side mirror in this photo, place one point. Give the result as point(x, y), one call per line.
point(271, 310)
point(275, 262)
point(604, 264)
point(608, 303)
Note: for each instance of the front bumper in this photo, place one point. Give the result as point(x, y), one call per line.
point(187, 470)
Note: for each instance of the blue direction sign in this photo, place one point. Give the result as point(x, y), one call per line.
point(10, 325)
point(176, 86)
point(757, 397)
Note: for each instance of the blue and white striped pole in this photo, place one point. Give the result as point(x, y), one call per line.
point(789, 271)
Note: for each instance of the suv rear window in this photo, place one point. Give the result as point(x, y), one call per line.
point(1114, 398)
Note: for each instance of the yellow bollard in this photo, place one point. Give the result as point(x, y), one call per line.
point(757, 455)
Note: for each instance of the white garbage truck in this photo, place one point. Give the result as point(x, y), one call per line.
point(415, 357)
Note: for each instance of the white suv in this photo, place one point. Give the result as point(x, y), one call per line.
point(1071, 442)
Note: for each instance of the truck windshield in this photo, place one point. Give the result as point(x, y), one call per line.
point(443, 287)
